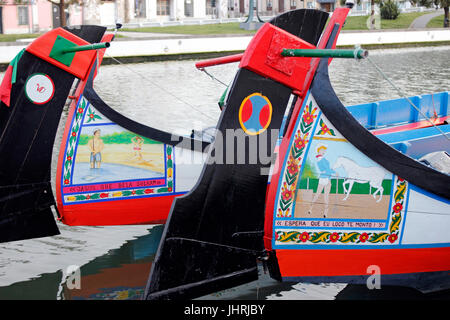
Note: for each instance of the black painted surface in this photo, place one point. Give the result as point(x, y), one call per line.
point(392, 160)
point(139, 128)
point(213, 235)
point(309, 23)
point(90, 33)
point(229, 199)
point(26, 144)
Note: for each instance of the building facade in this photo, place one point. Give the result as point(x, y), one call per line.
point(29, 16)
point(176, 10)
point(34, 16)
point(25, 16)
point(141, 11)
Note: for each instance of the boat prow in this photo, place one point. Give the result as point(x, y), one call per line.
point(213, 235)
point(348, 204)
point(41, 80)
point(113, 170)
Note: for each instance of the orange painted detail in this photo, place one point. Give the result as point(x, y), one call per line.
point(411, 126)
point(338, 17)
point(98, 213)
point(335, 262)
point(123, 277)
point(218, 61)
point(81, 62)
point(263, 56)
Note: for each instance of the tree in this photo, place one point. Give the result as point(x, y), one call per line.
point(372, 13)
point(63, 5)
point(389, 10)
point(62, 13)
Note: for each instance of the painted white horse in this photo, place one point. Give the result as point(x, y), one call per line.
point(355, 173)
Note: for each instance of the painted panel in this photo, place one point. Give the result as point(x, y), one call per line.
point(105, 162)
point(330, 194)
point(428, 219)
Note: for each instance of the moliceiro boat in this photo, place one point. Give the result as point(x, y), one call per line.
point(348, 188)
point(111, 170)
point(343, 197)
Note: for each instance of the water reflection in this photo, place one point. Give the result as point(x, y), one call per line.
point(115, 261)
point(175, 96)
point(415, 71)
point(121, 274)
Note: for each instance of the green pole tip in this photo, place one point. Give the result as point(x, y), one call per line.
point(326, 53)
point(94, 46)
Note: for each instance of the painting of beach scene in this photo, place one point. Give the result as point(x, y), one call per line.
point(108, 152)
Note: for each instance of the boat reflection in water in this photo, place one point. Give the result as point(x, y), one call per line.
point(121, 274)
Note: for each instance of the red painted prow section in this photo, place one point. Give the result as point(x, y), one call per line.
point(104, 213)
point(338, 17)
point(263, 56)
point(335, 262)
point(218, 61)
point(411, 126)
point(5, 86)
point(73, 104)
point(42, 47)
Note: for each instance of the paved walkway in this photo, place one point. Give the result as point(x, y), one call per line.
point(422, 21)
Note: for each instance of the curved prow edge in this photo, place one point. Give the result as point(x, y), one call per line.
point(28, 128)
point(328, 40)
point(386, 156)
point(213, 235)
point(94, 190)
point(344, 193)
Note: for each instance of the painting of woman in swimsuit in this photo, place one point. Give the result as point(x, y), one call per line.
point(137, 147)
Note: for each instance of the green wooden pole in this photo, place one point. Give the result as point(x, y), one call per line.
point(326, 53)
point(93, 46)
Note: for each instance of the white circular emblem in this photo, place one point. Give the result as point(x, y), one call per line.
point(39, 88)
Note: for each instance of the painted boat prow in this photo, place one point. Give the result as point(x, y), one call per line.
point(28, 129)
point(213, 235)
point(138, 173)
point(348, 203)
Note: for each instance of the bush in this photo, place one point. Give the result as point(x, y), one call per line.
point(389, 10)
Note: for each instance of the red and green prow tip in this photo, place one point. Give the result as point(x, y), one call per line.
point(66, 51)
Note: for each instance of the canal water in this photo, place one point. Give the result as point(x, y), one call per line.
point(173, 96)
